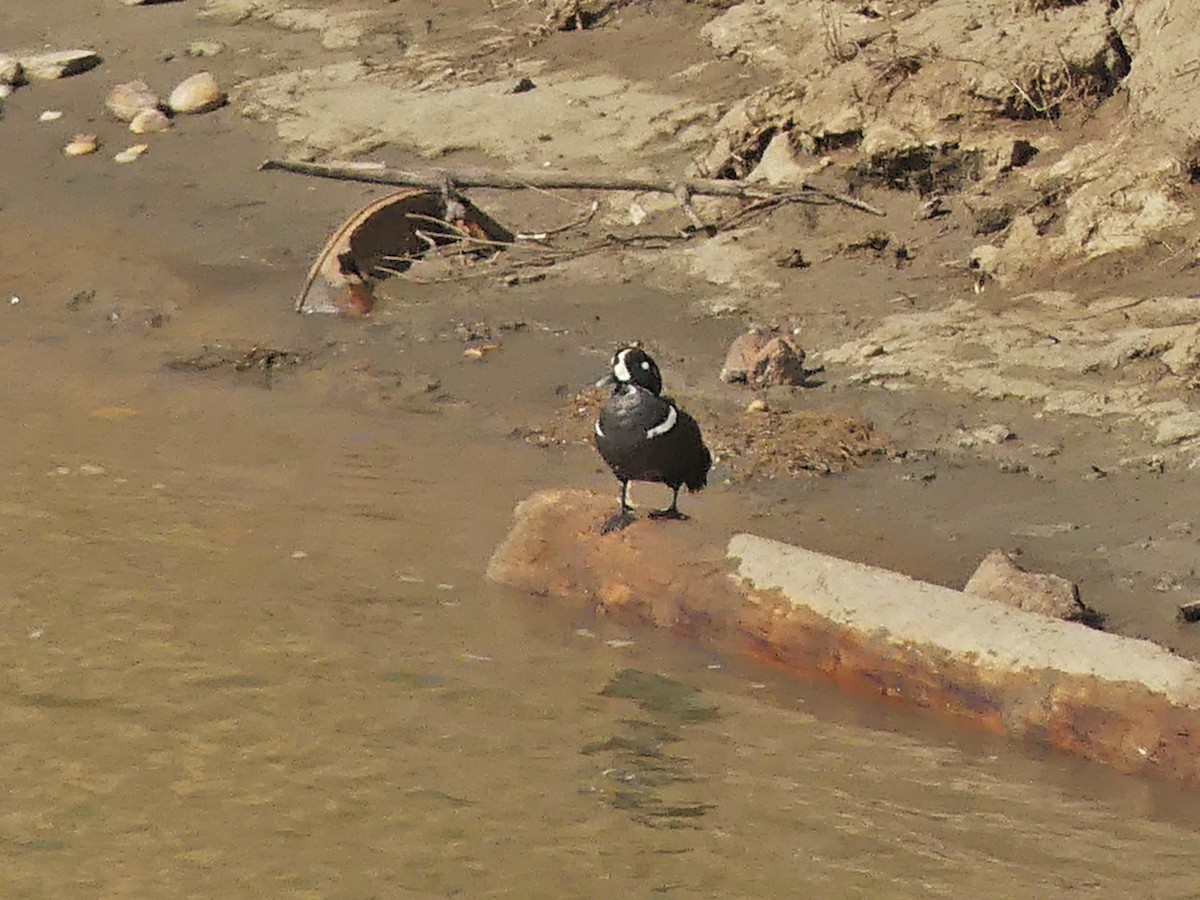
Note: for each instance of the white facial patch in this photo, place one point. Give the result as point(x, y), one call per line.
point(665, 425)
point(596, 428)
point(620, 369)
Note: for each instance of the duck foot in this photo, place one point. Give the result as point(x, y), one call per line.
point(622, 519)
point(669, 513)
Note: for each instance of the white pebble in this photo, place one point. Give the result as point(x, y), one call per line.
point(132, 153)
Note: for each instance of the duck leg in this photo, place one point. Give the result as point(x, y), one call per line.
point(672, 511)
point(625, 516)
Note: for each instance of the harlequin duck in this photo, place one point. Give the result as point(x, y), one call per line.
point(645, 437)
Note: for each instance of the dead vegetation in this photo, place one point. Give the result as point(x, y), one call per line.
point(750, 444)
point(260, 364)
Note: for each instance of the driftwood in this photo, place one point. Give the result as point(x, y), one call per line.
point(547, 181)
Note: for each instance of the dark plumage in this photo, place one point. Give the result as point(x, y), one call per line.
point(646, 437)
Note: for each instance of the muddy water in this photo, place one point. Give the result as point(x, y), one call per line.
point(246, 647)
point(248, 652)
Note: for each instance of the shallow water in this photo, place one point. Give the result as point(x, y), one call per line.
point(246, 647)
point(248, 652)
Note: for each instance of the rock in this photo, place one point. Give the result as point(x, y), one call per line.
point(762, 358)
point(999, 578)
point(145, 2)
point(131, 154)
point(196, 94)
point(204, 48)
point(778, 164)
point(125, 101)
point(1176, 428)
point(149, 121)
point(60, 64)
point(985, 435)
point(81, 145)
point(10, 70)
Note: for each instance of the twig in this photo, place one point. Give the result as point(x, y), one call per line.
point(684, 196)
point(582, 220)
point(453, 232)
point(511, 182)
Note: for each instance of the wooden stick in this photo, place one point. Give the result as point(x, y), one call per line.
point(513, 182)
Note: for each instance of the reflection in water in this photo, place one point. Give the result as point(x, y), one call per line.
point(245, 656)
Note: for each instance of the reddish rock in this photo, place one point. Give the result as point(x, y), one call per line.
point(763, 358)
point(999, 578)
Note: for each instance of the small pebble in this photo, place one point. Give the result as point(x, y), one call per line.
point(299, 554)
point(149, 121)
point(50, 115)
point(758, 404)
point(91, 469)
point(81, 145)
point(132, 153)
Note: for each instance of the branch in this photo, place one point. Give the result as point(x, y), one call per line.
point(435, 180)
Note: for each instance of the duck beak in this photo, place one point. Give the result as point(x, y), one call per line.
point(608, 381)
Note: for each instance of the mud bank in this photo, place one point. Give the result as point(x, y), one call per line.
point(1124, 702)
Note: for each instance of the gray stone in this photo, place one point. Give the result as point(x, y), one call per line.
point(59, 64)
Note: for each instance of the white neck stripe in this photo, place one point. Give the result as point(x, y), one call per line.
point(621, 369)
point(665, 425)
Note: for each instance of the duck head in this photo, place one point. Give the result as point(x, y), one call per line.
point(633, 365)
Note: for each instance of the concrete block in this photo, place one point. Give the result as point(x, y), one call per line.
point(1125, 702)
